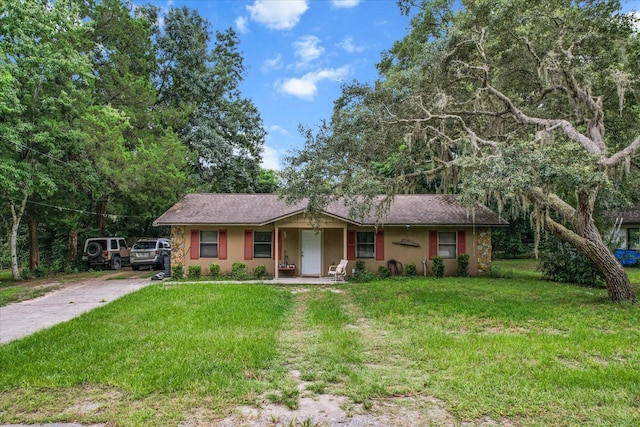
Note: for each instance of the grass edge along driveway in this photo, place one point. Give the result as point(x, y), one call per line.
point(519, 350)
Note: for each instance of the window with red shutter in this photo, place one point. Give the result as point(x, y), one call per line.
point(380, 245)
point(222, 244)
point(462, 242)
point(195, 244)
point(351, 245)
point(248, 244)
point(433, 244)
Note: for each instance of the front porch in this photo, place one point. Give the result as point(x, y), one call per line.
point(305, 253)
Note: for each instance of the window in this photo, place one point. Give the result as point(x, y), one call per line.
point(262, 244)
point(447, 244)
point(365, 244)
point(633, 238)
point(208, 244)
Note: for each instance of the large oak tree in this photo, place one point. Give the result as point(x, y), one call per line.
point(533, 104)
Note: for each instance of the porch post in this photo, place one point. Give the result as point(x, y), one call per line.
point(277, 251)
point(344, 241)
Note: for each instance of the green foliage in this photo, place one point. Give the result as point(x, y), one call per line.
point(260, 272)
point(438, 266)
point(361, 275)
point(462, 268)
point(514, 241)
point(214, 270)
point(239, 271)
point(411, 269)
point(460, 113)
point(383, 272)
point(177, 271)
point(222, 130)
point(560, 262)
point(194, 272)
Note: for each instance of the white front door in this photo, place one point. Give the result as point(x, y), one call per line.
point(311, 253)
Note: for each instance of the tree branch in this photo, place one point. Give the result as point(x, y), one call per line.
point(623, 154)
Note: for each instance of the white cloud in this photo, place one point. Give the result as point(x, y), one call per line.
point(348, 45)
point(241, 25)
point(278, 14)
point(278, 129)
point(272, 64)
point(345, 4)
point(270, 158)
point(307, 49)
point(636, 16)
point(306, 87)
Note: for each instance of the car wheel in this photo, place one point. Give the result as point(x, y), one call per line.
point(94, 249)
point(116, 263)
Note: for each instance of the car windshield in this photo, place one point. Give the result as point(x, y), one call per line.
point(144, 245)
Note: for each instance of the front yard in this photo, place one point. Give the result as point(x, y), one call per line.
point(512, 351)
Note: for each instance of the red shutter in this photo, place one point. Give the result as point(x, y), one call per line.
point(433, 244)
point(280, 245)
point(462, 243)
point(380, 246)
point(248, 244)
point(222, 244)
point(351, 245)
point(195, 244)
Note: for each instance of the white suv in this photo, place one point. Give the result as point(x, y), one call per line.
point(151, 252)
point(111, 252)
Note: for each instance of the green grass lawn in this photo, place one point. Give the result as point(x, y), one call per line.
point(520, 349)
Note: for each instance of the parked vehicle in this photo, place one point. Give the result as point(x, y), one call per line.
point(111, 252)
point(150, 252)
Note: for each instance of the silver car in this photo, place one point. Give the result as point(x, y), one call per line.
point(151, 252)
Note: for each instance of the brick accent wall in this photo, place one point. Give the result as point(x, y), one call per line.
point(178, 248)
point(483, 249)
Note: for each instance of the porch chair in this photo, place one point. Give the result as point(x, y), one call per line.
point(339, 271)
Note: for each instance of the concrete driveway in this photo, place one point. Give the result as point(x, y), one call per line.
point(24, 318)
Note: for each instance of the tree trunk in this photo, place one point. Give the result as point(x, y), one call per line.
point(618, 283)
point(101, 216)
point(586, 239)
point(73, 247)
point(13, 243)
point(13, 238)
point(34, 247)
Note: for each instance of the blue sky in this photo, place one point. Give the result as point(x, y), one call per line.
point(299, 52)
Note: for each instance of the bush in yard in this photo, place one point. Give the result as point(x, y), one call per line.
point(560, 262)
point(214, 269)
point(462, 270)
point(195, 271)
point(360, 266)
point(239, 271)
point(411, 269)
point(383, 272)
point(438, 266)
point(363, 277)
point(260, 272)
point(178, 271)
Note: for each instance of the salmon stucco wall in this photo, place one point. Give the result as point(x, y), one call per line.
point(483, 249)
point(178, 246)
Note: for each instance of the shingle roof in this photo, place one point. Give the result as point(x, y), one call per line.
point(260, 209)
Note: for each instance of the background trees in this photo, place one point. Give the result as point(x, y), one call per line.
point(199, 89)
point(530, 104)
point(106, 119)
